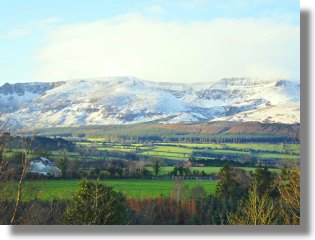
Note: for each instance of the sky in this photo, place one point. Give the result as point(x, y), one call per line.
point(158, 40)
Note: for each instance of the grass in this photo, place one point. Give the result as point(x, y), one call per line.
point(138, 189)
point(169, 149)
point(182, 151)
point(256, 147)
point(293, 148)
point(275, 156)
point(119, 149)
point(208, 170)
point(262, 155)
point(84, 143)
point(179, 156)
point(279, 147)
point(64, 189)
point(195, 145)
point(96, 139)
point(174, 153)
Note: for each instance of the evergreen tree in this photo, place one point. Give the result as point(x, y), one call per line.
point(156, 167)
point(226, 183)
point(63, 164)
point(97, 204)
point(264, 180)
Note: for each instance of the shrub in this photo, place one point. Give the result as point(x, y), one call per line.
point(96, 204)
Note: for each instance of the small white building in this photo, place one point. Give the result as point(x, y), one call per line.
point(44, 166)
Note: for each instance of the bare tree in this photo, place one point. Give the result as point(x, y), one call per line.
point(4, 143)
point(256, 209)
point(26, 143)
point(5, 175)
point(180, 190)
point(289, 188)
point(11, 170)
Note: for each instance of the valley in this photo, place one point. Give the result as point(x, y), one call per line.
point(153, 144)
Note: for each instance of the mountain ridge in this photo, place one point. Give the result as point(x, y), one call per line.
point(128, 100)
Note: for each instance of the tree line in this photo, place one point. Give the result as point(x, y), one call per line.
point(260, 198)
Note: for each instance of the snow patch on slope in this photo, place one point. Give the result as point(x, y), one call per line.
point(126, 100)
point(284, 113)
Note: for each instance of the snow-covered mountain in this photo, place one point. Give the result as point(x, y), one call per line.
point(126, 100)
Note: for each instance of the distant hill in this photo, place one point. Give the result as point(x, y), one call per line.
point(181, 132)
point(129, 100)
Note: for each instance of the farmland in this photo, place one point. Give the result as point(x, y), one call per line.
point(262, 152)
point(146, 170)
point(274, 154)
point(64, 189)
point(92, 153)
point(127, 165)
point(208, 170)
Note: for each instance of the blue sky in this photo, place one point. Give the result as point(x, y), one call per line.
point(15, 13)
point(25, 26)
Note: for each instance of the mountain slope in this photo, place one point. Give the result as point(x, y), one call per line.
point(283, 113)
point(126, 100)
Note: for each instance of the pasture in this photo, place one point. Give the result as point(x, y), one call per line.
point(137, 189)
point(207, 170)
point(184, 151)
point(97, 149)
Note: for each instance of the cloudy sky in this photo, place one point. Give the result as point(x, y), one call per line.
point(157, 40)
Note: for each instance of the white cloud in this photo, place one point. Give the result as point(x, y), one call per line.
point(171, 51)
point(156, 9)
point(16, 33)
point(29, 28)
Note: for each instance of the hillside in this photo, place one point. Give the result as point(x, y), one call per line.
point(129, 100)
point(225, 131)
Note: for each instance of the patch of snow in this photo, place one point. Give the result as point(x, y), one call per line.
point(126, 100)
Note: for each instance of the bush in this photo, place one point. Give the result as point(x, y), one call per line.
point(96, 204)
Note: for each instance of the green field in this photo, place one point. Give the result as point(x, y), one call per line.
point(208, 170)
point(64, 189)
point(275, 154)
point(32, 154)
point(241, 147)
point(183, 151)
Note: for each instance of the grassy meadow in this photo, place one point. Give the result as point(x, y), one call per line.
point(48, 190)
point(133, 188)
point(184, 151)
